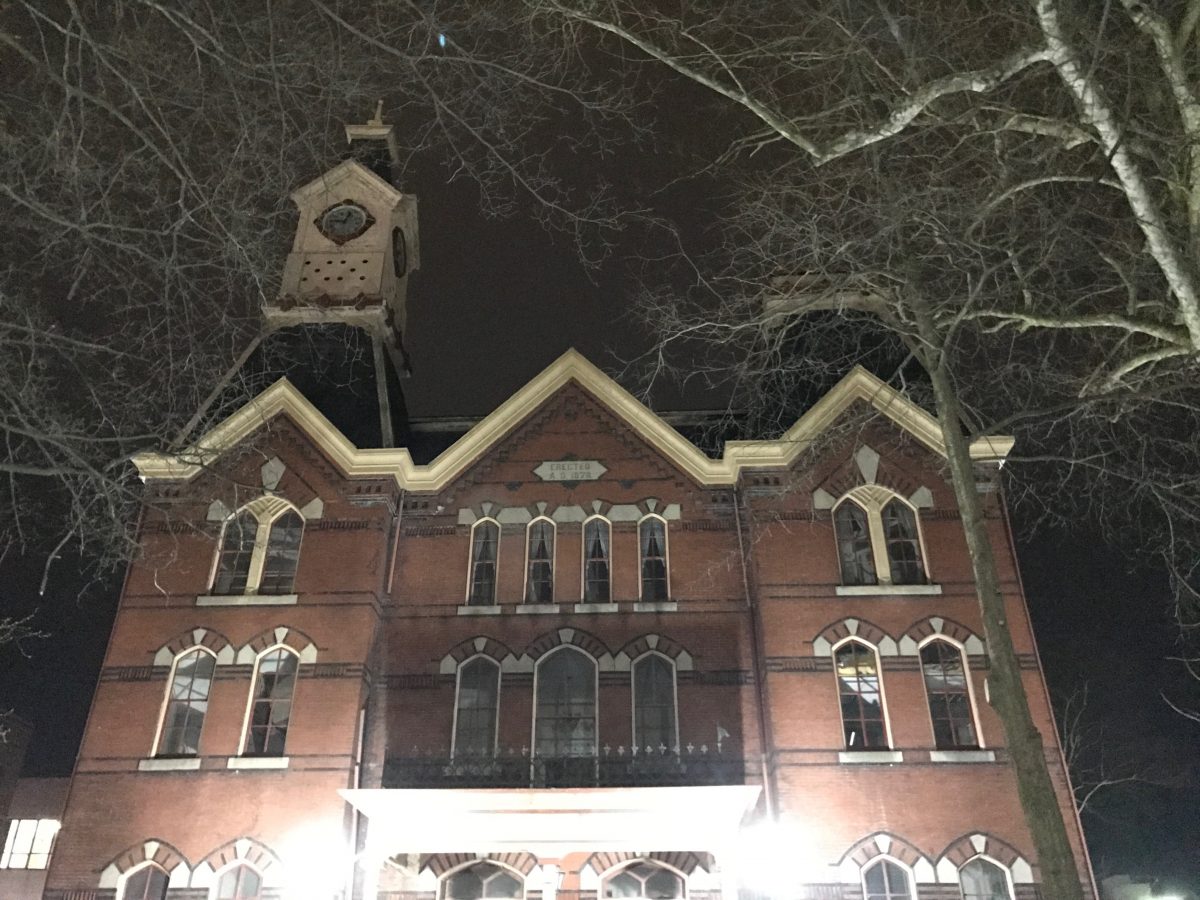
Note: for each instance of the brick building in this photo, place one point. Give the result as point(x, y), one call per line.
point(563, 652)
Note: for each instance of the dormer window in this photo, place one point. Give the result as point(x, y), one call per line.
point(259, 552)
point(878, 539)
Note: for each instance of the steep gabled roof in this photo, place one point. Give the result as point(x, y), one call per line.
point(282, 397)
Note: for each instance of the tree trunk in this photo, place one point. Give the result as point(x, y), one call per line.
point(1060, 874)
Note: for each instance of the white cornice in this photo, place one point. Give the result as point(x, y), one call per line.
point(348, 170)
point(282, 397)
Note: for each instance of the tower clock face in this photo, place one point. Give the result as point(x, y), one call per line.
point(399, 253)
point(344, 221)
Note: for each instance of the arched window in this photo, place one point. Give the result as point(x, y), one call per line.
point(260, 550)
point(475, 711)
point(565, 724)
point(597, 538)
point(861, 696)
point(283, 554)
point(654, 703)
point(854, 544)
point(237, 548)
point(187, 703)
point(885, 880)
point(982, 879)
point(482, 881)
point(539, 556)
point(271, 702)
point(643, 880)
point(147, 883)
point(949, 696)
point(239, 883)
point(652, 539)
point(903, 543)
point(485, 542)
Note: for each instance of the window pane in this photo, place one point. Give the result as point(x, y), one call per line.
point(240, 883)
point(654, 703)
point(854, 544)
point(539, 582)
point(233, 563)
point(147, 883)
point(861, 697)
point(643, 879)
point(652, 538)
point(187, 704)
point(982, 880)
point(596, 538)
point(475, 720)
point(886, 881)
point(480, 881)
point(566, 706)
point(949, 701)
point(484, 539)
point(903, 545)
point(283, 555)
point(272, 704)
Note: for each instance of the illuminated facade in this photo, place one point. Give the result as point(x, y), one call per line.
point(568, 653)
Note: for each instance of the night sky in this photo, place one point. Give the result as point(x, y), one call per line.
point(498, 300)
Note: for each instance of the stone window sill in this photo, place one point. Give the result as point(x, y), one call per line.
point(870, 757)
point(247, 600)
point(480, 610)
point(169, 764)
point(962, 756)
point(537, 609)
point(656, 606)
point(888, 590)
point(595, 607)
point(257, 762)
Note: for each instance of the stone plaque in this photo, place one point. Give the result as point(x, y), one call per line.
point(569, 470)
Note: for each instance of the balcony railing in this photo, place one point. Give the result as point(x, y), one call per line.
point(612, 767)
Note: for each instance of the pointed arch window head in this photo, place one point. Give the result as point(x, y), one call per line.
point(539, 554)
point(878, 539)
point(654, 721)
point(147, 883)
point(982, 879)
point(482, 881)
point(259, 550)
point(597, 539)
point(485, 545)
point(475, 714)
point(854, 544)
point(237, 548)
point(885, 880)
point(860, 693)
point(643, 880)
point(948, 690)
point(187, 703)
point(652, 540)
point(239, 883)
point(271, 702)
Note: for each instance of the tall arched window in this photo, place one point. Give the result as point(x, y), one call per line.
point(539, 562)
point(237, 547)
point(565, 724)
point(239, 883)
point(643, 880)
point(903, 543)
point(485, 543)
point(476, 707)
point(949, 696)
point(260, 549)
point(885, 880)
point(147, 883)
point(982, 879)
point(282, 554)
point(854, 544)
point(597, 538)
point(187, 703)
point(652, 540)
point(861, 696)
point(482, 881)
point(654, 703)
point(271, 702)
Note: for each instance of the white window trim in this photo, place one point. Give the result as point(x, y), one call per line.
point(1008, 877)
point(583, 601)
point(904, 867)
point(471, 566)
point(445, 876)
point(220, 873)
point(126, 875)
point(242, 754)
point(166, 701)
point(666, 557)
point(553, 562)
point(457, 687)
point(966, 661)
point(266, 510)
point(568, 648)
point(625, 864)
point(887, 718)
point(871, 499)
point(633, 696)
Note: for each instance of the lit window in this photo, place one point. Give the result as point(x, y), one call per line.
point(652, 538)
point(983, 880)
point(187, 703)
point(949, 696)
point(147, 883)
point(482, 881)
point(861, 696)
point(566, 705)
point(854, 544)
point(597, 538)
point(28, 843)
point(475, 714)
point(259, 554)
point(654, 703)
point(878, 539)
point(271, 702)
point(886, 881)
point(485, 539)
point(643, 881)
point(239, 883)
point(539, 575)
